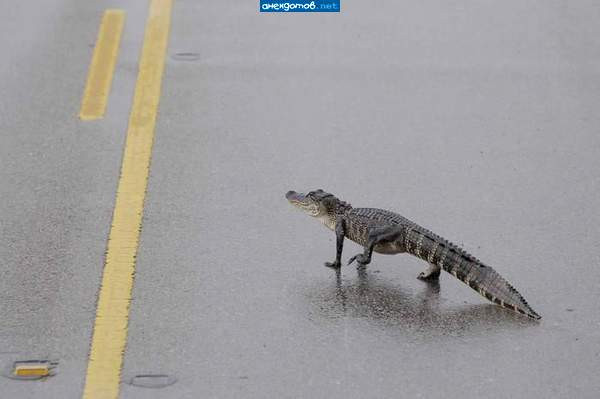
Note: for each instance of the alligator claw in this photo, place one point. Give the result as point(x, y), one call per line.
point(360, 259)
point(432, 273)
point(428, 276)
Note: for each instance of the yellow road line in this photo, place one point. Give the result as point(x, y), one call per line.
point(101, 69)
point(110, 328)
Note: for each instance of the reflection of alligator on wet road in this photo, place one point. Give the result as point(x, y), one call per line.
point(372, 298)
point(389, 233)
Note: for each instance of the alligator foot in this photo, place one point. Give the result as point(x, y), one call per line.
point(333, 265)
point(361, 259)
point(431, 274)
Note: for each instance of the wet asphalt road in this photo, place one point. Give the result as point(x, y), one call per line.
point(478, 121)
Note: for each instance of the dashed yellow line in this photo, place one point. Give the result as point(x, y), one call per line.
point(102, 66)
point(110, 327)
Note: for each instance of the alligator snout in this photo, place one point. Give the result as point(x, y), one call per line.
point(293, 196)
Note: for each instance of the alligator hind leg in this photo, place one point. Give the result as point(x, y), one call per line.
point(377, 236)
point(432, 273)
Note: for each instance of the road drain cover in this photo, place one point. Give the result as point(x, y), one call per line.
point(153, 380)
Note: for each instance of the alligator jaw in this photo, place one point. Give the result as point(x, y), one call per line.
point(304, 202)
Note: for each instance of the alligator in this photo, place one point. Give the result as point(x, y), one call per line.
point(386, 232)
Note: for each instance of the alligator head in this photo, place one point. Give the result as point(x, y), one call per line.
point(318, 204)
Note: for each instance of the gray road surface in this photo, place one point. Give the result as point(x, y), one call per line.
point(477, 120)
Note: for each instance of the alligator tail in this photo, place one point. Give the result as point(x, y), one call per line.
point(481, 278)
point(491, 285)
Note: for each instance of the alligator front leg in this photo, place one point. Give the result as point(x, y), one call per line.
point(340, 232)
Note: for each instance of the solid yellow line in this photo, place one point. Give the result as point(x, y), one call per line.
point(110, 328)
point(102, 66)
